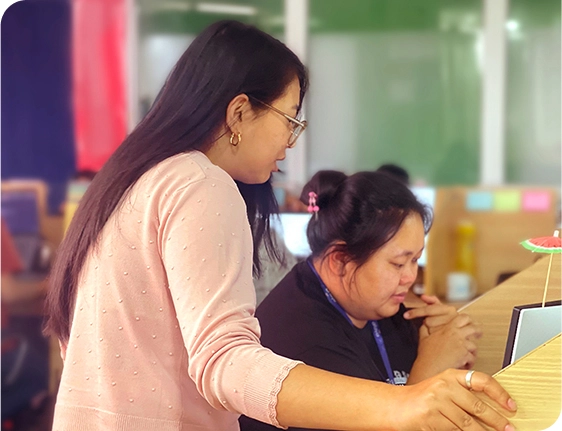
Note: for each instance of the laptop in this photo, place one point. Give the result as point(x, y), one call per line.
point(531, 326)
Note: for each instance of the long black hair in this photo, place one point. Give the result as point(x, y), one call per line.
point(358, 214)
point(226, 59)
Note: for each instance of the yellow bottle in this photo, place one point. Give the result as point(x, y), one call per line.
point(465, 259)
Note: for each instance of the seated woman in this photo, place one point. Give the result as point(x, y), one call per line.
point(342, 309)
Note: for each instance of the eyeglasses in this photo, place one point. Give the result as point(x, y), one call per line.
point(297, 127)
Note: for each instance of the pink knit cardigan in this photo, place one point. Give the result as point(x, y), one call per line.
point(163, 334)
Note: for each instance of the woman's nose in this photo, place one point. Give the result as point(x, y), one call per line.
point(410, 274)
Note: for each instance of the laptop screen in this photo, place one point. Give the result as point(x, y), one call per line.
point(531, 325)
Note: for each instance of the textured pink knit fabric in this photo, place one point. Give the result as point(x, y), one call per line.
point(163, 335)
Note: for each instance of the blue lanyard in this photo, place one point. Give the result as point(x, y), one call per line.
point(374, 324)
point(382, 349)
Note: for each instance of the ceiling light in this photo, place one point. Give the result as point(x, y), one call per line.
point(512, 25)
point(167, 5)
point(226, 9)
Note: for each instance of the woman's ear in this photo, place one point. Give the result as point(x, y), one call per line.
point(236, 111)
point(337, 262)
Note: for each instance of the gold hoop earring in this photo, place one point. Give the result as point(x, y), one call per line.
point(238, 139)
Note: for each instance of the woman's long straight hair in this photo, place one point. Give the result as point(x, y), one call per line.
point(226, 59)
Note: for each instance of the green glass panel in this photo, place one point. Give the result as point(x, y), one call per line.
point(533, 93)
point(183, 17)
point(167, 27)
point(405, 77)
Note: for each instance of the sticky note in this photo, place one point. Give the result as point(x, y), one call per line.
point(536, 201)
point(479, 201)
point(507, 201)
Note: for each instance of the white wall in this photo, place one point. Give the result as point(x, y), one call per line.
point(157, 56)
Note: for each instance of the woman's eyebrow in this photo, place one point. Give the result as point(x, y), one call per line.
point(404, 253)
point(408, 253)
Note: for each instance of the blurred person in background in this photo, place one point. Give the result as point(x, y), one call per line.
point(151, 293)
point(342, 310)
point(396, 171)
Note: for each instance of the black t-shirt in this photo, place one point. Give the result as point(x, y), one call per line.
point(298, 322)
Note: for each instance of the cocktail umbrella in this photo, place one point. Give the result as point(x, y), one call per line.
point(545, 244)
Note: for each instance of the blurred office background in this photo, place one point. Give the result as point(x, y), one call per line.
point(401, 80)
point(461, 93)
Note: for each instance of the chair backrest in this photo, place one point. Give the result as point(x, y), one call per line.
point(24, 205)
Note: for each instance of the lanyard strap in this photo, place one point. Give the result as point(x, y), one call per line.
point(382, 349)
point(374, 324)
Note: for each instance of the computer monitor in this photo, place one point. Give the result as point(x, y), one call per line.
point(531, 325)
point(426, 195)
point(291, 227)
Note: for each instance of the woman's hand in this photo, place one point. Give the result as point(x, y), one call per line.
point(451, 346)
point(434, 313)
point(444, 403)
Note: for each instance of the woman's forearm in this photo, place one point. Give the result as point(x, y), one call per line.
point(313, 398)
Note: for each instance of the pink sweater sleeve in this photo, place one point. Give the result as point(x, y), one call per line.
point(206, 247)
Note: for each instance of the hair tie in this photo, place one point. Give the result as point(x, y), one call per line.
point(312, 207)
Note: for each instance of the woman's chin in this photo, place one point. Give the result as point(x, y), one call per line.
point(257, 178)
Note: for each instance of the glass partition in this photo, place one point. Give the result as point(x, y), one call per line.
point(396, 81)
point(167, 27)
point(533, 113)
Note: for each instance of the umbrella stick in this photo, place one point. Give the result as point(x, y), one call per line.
point(547, 277)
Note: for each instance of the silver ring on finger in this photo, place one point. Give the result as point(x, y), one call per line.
point(468, 379)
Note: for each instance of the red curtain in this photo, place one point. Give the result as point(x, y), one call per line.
point(99, 61)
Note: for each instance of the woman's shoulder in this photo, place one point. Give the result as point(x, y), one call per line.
point(190, 167)
point(297, 303)
point(183, 173)
point(182, 178)
point(291, 292)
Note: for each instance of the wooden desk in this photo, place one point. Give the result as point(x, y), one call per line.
point(493, 309)
point(534, 383)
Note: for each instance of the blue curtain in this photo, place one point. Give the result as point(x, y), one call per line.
point(37, 120)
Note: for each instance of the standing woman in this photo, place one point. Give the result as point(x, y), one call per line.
point(151, 295)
